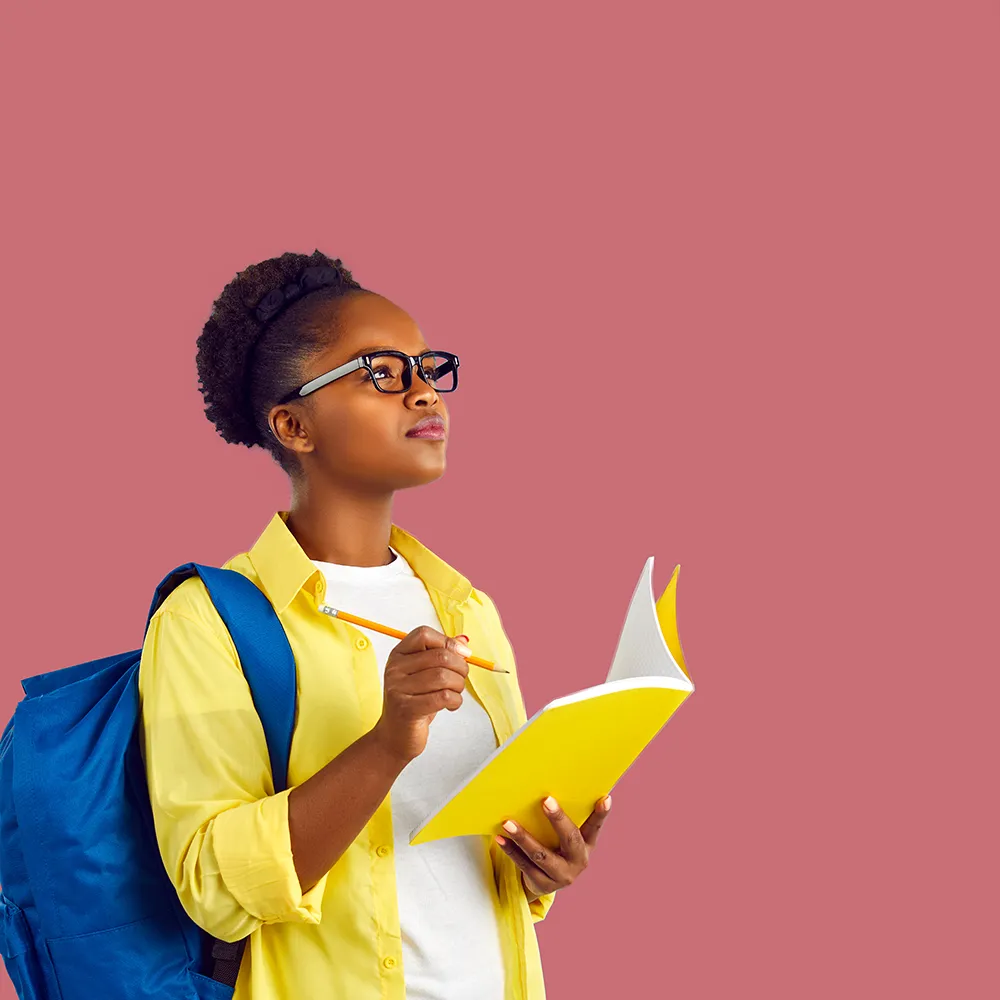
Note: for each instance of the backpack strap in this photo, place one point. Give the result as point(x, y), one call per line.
point(265, 655)
point(269, 666)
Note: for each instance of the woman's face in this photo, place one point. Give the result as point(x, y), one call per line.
point(350, 433)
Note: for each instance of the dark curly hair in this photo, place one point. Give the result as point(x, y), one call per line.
point(244, 372)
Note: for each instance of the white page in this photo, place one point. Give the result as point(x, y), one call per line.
point(642, 651)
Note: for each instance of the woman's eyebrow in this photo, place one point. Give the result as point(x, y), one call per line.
point(370, 350)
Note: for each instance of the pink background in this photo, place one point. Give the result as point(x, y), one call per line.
point(722, 277)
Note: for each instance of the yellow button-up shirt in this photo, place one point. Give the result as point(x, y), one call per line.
point(223, 833)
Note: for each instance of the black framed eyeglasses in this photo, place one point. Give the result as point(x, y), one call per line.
point(391, 371)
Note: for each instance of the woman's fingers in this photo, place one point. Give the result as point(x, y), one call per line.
point(432, 679)
point(421, 638)
point(552, 864)
point(431, 660)
point(537, 876)
point(572, 844)
point(421, 705)
point(593, 823)
point(545, 866)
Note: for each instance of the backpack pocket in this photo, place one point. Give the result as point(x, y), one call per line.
point(17, 945)
point(207, 988)
point(143, 960)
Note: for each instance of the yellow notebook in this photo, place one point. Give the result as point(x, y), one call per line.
point(578, 746)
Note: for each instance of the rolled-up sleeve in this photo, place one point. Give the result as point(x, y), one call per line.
point(540, 907)
point(223, 834)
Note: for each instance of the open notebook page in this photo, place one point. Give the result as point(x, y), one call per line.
point(642, 649)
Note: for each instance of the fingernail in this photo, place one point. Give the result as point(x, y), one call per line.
point(460, 647)
point(465, 638)
point(607, 801)
point(510, 826)
point(550, 804)
point(500, 840)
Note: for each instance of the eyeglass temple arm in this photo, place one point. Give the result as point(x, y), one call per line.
point(321, 380)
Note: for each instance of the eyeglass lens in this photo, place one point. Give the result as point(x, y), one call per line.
point(389, 371)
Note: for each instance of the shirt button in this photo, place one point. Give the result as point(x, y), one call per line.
point(382, 851)
point(389, 962)
point(361, 642)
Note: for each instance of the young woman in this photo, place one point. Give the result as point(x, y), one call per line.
point(339, 385)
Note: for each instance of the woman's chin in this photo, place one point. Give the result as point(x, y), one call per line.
point(432, 468)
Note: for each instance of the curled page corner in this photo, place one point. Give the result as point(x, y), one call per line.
point(649, 645)
point(666, 613)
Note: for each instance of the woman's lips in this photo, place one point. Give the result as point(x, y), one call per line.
point(437, 433)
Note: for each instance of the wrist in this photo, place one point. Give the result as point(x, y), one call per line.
point(389, 758)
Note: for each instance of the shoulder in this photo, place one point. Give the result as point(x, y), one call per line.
point(190, 602)
point(485, 602)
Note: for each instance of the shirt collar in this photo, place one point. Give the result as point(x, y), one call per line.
point(284, 568)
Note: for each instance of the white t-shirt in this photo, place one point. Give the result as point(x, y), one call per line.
point(447, 897)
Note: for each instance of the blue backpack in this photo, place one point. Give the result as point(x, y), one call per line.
point(88, 909)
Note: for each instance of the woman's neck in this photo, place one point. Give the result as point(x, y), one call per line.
point(342, 528)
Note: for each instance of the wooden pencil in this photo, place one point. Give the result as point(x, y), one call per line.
point(388, 630)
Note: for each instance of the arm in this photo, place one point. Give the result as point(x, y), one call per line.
point(425, 673)
point(237, 854)
point(327, 812)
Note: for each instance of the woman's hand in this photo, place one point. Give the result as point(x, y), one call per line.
point(542, 869)
point(425, 672)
